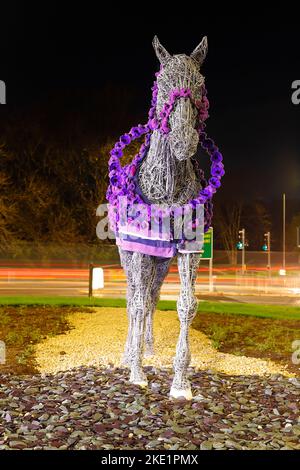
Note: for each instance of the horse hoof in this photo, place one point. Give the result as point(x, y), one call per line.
point(139, 379)
point(125, 362)
point(186, 394)
point(140, 383)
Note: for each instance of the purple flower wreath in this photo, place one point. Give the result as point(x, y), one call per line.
point(122, 179)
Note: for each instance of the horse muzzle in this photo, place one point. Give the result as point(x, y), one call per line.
point(184, 142)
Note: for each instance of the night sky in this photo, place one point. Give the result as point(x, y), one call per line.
point(252, 61)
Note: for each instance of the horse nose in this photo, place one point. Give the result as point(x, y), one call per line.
point(184, 142)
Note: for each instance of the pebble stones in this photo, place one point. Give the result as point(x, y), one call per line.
point(96, 408)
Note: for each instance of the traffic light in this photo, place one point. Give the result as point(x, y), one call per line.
point(265, 247)
point(239, 245)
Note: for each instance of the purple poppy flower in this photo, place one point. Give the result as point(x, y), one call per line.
point(153, 124)
point(125, 139)
point(205, 102)
point(135, 132)
point(142, 129)
point(113, 160)
point(216, 157)
point(208, 144)
point(116, 153)
point(175, 94)
point(114, 179)
point(113, 167)
point(215, 182)
point(207, 192)
point(217, 170)
point(119, 146)
point(203, 115)
point(151, 113)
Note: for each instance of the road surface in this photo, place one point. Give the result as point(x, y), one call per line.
point(60, 281)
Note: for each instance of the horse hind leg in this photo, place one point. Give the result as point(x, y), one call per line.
point(162, 266)
point(187, 308)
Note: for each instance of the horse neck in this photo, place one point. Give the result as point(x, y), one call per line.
point(163, 178)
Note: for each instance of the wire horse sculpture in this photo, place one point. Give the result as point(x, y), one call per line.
point(161, 184)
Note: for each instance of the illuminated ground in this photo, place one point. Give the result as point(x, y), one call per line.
point(255, 405)
point(98, 338)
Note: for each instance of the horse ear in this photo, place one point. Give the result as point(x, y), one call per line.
point(161, 53)
point(200, 52)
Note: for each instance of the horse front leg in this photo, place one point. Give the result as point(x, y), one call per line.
point(187, 308)
point(126, 261)
point(162, 266)
point(130, 290)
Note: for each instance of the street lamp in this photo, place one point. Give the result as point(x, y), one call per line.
point(283, 270)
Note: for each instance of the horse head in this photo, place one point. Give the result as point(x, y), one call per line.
point(180, 86)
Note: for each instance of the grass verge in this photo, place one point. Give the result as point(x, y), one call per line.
point(265, 338)
point(21, 327)
point(263, 311)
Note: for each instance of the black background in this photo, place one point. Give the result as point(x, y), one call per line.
point(80, 50)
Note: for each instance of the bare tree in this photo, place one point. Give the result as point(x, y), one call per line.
point(228, 221)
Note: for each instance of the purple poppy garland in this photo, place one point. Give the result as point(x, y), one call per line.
point(122, 178)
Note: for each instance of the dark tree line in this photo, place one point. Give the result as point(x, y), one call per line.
point(53, 174)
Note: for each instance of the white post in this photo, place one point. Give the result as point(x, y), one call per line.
point(283, 229)
point(211, 279)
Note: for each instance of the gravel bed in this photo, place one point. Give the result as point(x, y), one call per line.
point(97, 338)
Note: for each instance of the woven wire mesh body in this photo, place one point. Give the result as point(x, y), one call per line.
point(166, 177)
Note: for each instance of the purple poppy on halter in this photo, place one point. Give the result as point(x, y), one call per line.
point(153, 124)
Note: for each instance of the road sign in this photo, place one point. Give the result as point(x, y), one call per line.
point(208, 244)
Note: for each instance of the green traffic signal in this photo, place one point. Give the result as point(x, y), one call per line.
point(265, 247)
point(239, 245)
